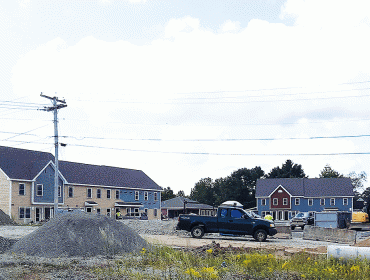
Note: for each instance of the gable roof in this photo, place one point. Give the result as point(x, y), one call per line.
point(26, 164)
point(22, 164)
point(178, 203)
point(100, 175)
point(306, 187)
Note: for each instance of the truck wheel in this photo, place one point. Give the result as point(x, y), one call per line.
point(197, 232)
point(302, 227)
point(292, 227)
point(260, 235)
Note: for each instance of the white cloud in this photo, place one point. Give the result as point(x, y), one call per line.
point(230, 26)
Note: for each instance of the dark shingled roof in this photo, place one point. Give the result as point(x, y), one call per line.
point(178, 202)
point(307, 187)
point(87, 174)
point(21, 163)
point(26, 164)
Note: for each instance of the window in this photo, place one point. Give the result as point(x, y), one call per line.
point(322, 201)
point(88, 209)
point(275, 201)
point(22, 189)
point(155, 196)
point(297, 201)
point(263, 201)
point(145, 195)
point(59, 191)
point(345, 201)
point(89, 193)
point(223, 213)
point(108, 193)
point(39, 190)
point(117, 194)
point(310, 202)
point(24, 213)
point(155, 212)
point(108, 212)
point(98, 211)
point(70, 191)
point(236, 214)
point(285, 201)
point(98, 193)
point(136, 195)
point(332, 201)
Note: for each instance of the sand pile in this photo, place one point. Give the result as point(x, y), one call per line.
point(80, 234)
point(5, 219)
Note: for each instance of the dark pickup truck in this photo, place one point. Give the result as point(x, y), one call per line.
point(229, 220)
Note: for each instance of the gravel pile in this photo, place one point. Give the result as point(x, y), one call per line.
point(154, 227)
point(80, 234)
point(5, 219)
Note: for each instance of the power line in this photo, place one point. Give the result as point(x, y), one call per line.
point(23, 133)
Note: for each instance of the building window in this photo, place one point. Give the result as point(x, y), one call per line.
point(345, 201)
point(137, 195)
point(39, 190)
point(117, 194)
point(98, 193)
point(285, 201)
point(322, 201)
point(263, 201)
point(155, 196)
point(98, 211)
point(22, 189)
point(108, 193)
point(332, 201)
point(24, 213)
point(145, 195)
point(310, 202)
point(70, 191)
point(155, 213)
point(275, 201)
point(297, 201)
point(89, 193)
point(108, 212)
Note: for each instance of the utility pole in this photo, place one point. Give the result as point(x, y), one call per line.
point(57, 104)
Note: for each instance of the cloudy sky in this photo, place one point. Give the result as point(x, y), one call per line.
point(185, 90)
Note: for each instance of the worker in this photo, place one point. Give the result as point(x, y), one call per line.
point(118, 214)
point(269, 217)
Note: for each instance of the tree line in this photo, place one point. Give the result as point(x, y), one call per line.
point(240, 185)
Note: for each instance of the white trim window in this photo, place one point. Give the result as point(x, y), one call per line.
point(332, 201)
point(59, 191)
point(275, 201)
point(285, 201)
point(145, 195)
point(137, 195)
point(98, 193)
point(39, 190)
point(70, 191)
point(322, 201)
point(297, 201)
point(108, 194)
point(89, 193)
point(310, 202)
point(263, 201)
point(117, 194)
point(155, 196)
point(345, 201)
point(22, 189)
point(24, 212)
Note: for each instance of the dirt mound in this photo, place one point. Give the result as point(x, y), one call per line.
point(5, 219)
point(80, 234)
point(5, 244)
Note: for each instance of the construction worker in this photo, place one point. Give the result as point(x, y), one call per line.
point(269, 217)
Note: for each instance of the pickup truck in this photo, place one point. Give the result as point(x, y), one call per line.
point(229, 220)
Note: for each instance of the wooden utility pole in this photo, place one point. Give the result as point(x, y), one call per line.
point(57, 104)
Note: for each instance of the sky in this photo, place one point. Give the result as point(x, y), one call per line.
point(185, 90)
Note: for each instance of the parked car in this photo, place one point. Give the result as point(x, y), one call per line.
point(229, 221)
point(302, 219)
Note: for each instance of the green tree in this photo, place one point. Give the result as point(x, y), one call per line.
point(287, 170)
point(358, 180)
point(167, 194)
point(329, 172)
point(204, 192)
point(181, 194)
